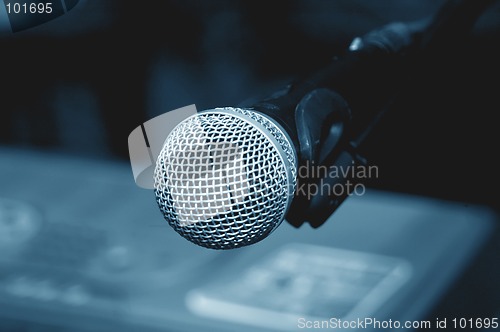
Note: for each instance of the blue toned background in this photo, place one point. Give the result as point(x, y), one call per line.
point(74, 88)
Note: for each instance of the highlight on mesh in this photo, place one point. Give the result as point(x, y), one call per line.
point(206, 175)
point(206, 180)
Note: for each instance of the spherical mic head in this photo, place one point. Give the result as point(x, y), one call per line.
point(225, 177)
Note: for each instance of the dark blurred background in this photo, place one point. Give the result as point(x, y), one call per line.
point(80, 84)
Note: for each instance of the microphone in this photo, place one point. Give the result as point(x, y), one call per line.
point(226, 177)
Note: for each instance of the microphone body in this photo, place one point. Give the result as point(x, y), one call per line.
point(330, 113)
point(226, 177)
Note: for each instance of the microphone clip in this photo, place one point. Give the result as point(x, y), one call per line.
point(326, 156)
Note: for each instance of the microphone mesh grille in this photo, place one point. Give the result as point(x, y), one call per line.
point(225, 178)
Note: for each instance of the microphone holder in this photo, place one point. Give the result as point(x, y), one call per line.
point(330, 114)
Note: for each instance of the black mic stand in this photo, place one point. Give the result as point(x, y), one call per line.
point(330, 114)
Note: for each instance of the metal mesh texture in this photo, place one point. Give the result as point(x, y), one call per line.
point(225, 178)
